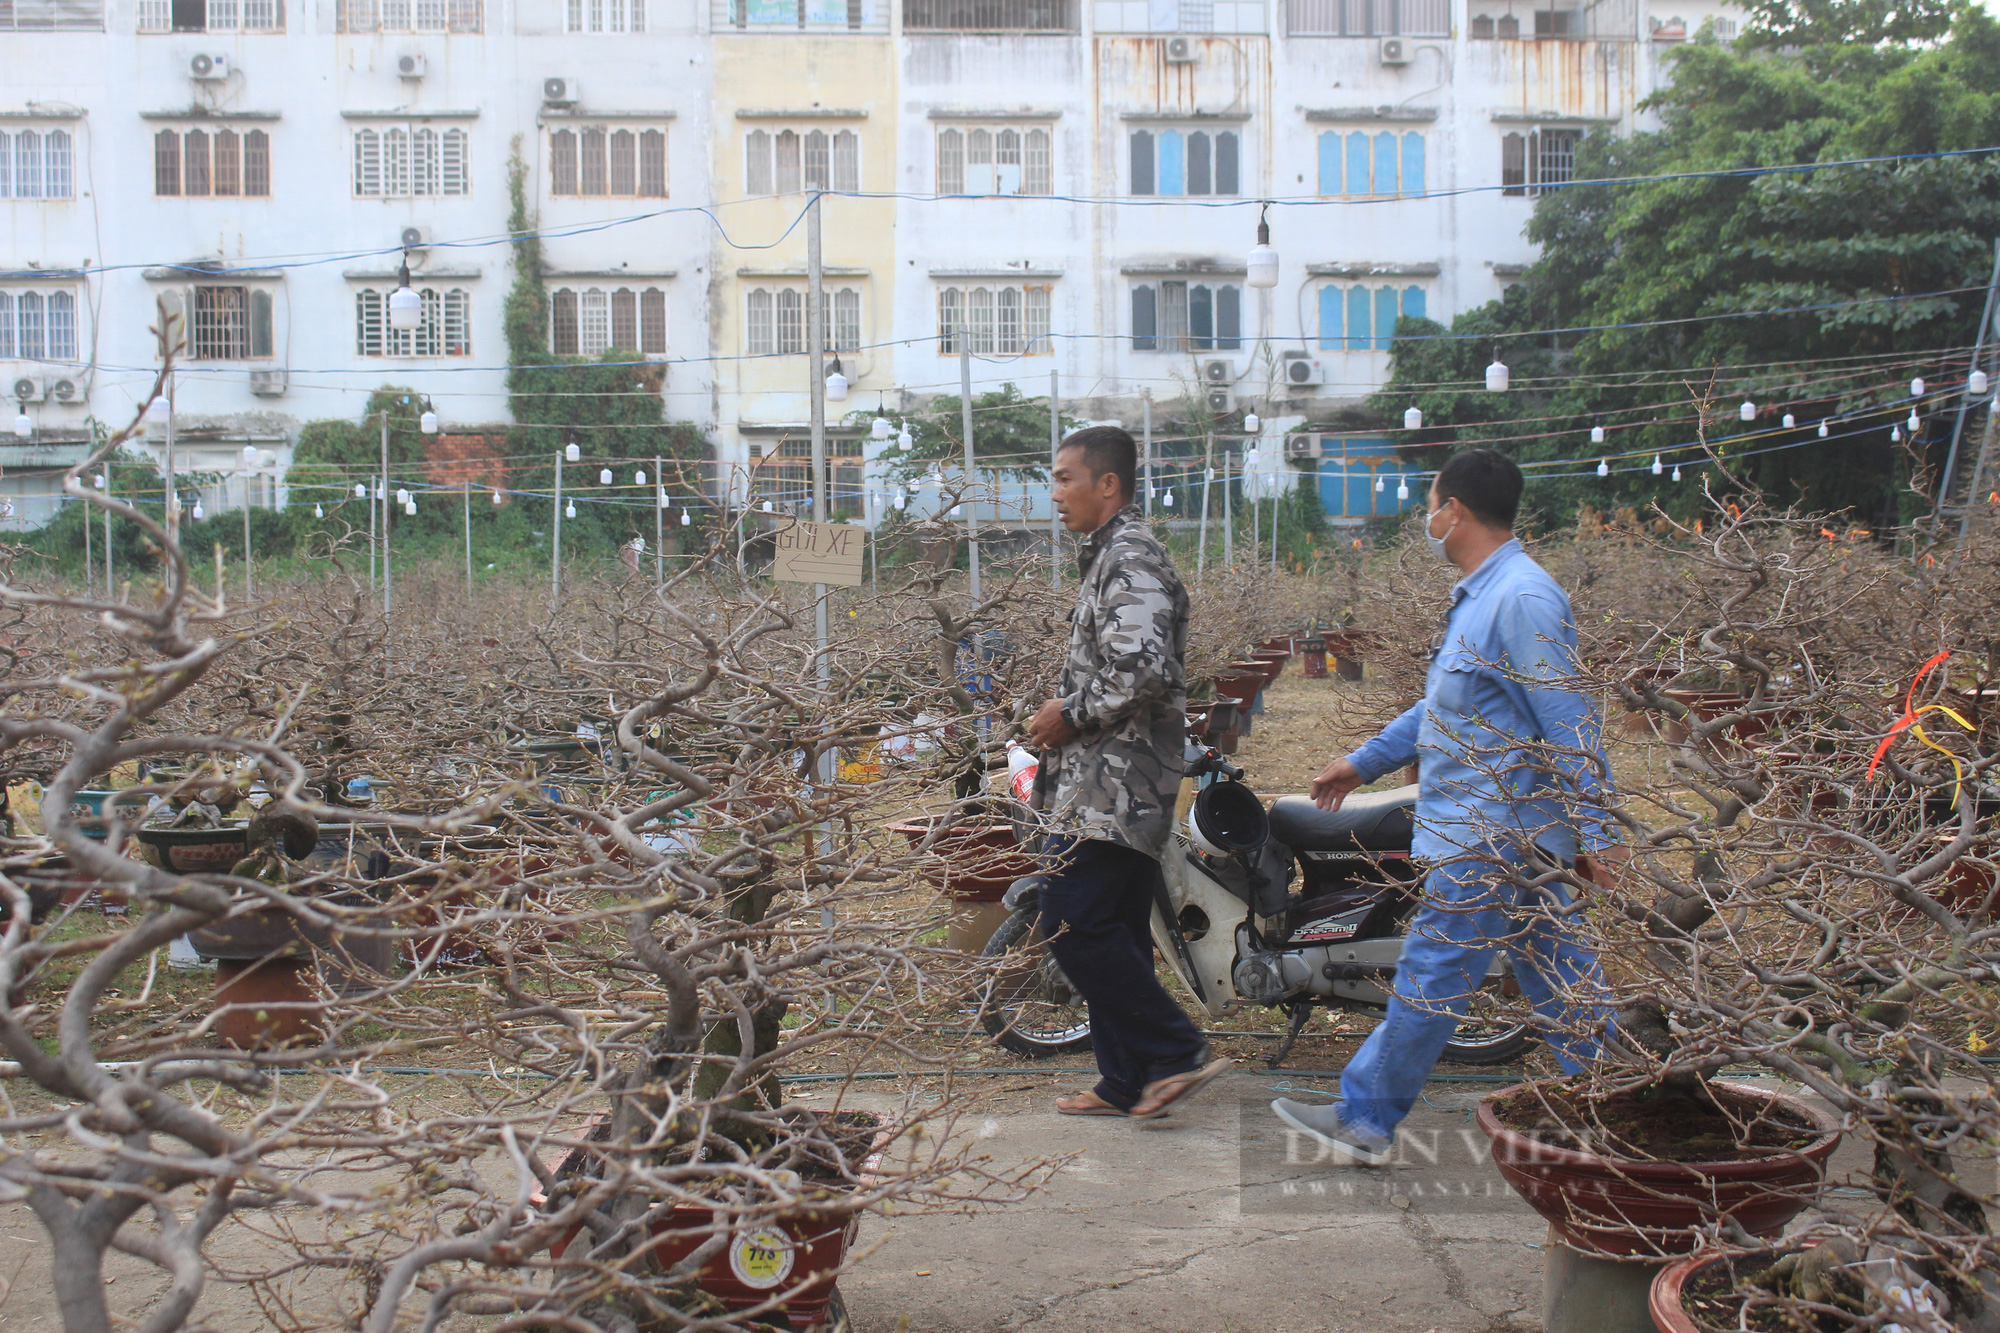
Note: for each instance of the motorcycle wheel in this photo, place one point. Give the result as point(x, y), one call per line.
point(1487, 1044)
point(1029, 1005)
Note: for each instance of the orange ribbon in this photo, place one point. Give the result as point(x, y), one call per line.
point(1908, 721)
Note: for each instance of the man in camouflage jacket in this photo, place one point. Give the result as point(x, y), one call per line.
point(1112, 751)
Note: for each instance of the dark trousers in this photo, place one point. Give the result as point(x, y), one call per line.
point(1096, 911)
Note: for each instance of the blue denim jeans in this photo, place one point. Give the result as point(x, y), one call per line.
point(1468, 911)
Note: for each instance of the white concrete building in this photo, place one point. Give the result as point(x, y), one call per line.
point(1076, 181)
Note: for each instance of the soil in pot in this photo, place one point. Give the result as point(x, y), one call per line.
point(1656, 1123)
point(1728, 1293)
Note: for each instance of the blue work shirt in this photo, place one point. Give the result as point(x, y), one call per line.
point(1508, 752)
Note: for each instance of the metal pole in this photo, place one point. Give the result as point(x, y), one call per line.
point(1146, 405)
point(374, 489)
point(249, 563)
point(1228, 515)
point(89, 560)
point(1055, 521)
point(1964, 403)
point(1277, 508)
point(555, 555)
point(1251, 486)
point(659, 526)
point(468, 533)
point(816, 373)
point(110, 588)
point(965, 427)
point(172, 506)
point(385, 514)
point(1207, 485)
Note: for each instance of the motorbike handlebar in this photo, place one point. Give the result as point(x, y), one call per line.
point(1211, 761)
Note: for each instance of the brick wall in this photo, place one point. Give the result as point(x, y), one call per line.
point(456, 457)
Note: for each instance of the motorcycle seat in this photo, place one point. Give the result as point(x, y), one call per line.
point(1377, 821)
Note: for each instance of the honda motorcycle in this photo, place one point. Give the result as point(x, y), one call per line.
point(1235, 930)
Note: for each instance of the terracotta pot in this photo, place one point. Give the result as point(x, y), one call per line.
point(1665, 1300)
point(1624, 1206)
point(973, 862)
point(194, 851)
point(1277, 661)
point(1225, 725)
point(1240, 686)
point(1263, 669)
point(1285, 643)
point(265, 1004)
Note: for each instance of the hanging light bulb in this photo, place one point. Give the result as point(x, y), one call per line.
point(1677, 472)
point(428, 422)
point(496, 498)
point(767, 506)
point(1252, 423)
point(1975, 383)
point(1413, 417)
point(569, 510)
point(1603, 468)
point(571, 453)
point(1917, 387)
point(24, 425)
point(1263, 263)
point(410, 507)
point(197, 509)
point(1790, 421)
point(1656, 465)
point(1402, 487)
point(660, 495)
point(639, 477)
point(1597, 435)
point(956, 510)
point(1748, 411)
point(879, 428)
point(159, 410)
point(604, 476)
point(1378, 483)
point(905, 440)
point(836, 384)
point(319, 511)
point(406, 308)
point(360, 490)
point(402, 495)
point(685, 520)
point(103, 481)
point(1895, 434)
point(249, 455)
point(380, 490)
point(1169, 501)
point(1822, 430)
point(1914, 424)
point(901, 499)
point(1496, 374)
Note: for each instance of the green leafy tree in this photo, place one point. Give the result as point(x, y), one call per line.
point(1009, 434)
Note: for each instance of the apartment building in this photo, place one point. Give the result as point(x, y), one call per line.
point(1065, 186)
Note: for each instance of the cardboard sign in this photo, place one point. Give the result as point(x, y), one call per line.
point(820, 553)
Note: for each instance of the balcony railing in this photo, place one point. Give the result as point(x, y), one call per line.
point(1369, 18)
point(409, 15)
point(990, 15)
point(51, 15)
point(775, 16)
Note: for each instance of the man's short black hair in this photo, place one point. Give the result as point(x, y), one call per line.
point(1108, 449)
point(1485, 482)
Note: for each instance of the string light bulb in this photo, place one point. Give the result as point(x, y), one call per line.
point(406, 308)
point(249, 455)
point(660, 495)
point(1975, 383)
point(639, 477)
point(604, 476)
point(1895, 434)
point(1917, 387)
point(24, 425)
point(402, 495)
point(410, 506)
point(767, 506)
point(103, 482)
point(1169, 500)
point(319, 511)
point(361, 490)
point(1597, 435)
point(571, 453)
point(1790, 421)
point(1677, 472)
point(428, 422)
point(836, 384)
point(1496, 374)
point(1262, 268)
point(685, 520)
point(904, 440)
point(1914, 424)
point(1747, 412)
point(1402, 487)
point(901, 499)
point(159, 410)
point(496, 497)
point(1656, 465)
point(569, 510)
point(197, 509)
point(1413, 417)
point(1252, 423)
point(1822, 430)
point(1378, 483)
point(1603, 468)
point(880, 429)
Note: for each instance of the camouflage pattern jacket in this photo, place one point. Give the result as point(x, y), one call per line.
point(1124, 688)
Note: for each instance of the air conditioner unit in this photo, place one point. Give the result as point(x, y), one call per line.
point(1220, 402)
point(208, 67)
point(1301, 446)
point(28, 389)
point(1302, 370)
point(69, 388)
point(559, 92)
point(412, 66)
point(1395, 51)
point(267, 383)
point(416, 237)
point(1218, 372)
point(1180, 50)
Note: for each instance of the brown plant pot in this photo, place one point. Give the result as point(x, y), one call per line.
point(1666, 1301)
point(1240, 686)
point(194, 851)
point(265, 1003)
point(972, 862)
point(1312, 659)
point(1627, 1206)
point(1197, 720)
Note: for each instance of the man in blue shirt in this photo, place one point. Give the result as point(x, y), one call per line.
point(1512, 782)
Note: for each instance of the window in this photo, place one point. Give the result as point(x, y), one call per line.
point(1187, 317)
point(37, 325)
point(784, 477)
point(990, 15)
point(1360, 319)
point(408, 15)
point(52, 16)
point(995, 160)
point(221, 163)
point(443, 329)
point(1184, 162)
point(608, 162)
point(593, 321)
point(229, 323)
point(1355, 162)
point(1368, 18)
point(819, 15)
point(788, 161)
point(211, 16)
point(36, 164)
point(605, 16)
point(399, 162)
point(1536, 159)
point(775, 320)
point(997, 320)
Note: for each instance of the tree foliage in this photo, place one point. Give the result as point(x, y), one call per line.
point(1009, 433)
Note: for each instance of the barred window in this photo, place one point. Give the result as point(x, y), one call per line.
point(994, 160)
point(52, 16)
point(35, 164)
point(1184, 162)
point(562, 322)
point(404, 16)
point(652, 321)
point(788, 161)
point(760, 338)
point(1187, 317)
point(231, 324)
point(211, 16)
point(590, 174)
point(37, 325)
point(444, 325)
point(846, 336)
point(1539, 158)
point(791, 321)
point(399, 162)
point(999, 320)
point(194, 163)
point(593, 322)
point(775, 320)
point(605, 16)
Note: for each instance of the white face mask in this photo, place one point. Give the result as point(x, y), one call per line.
point(1437, 543)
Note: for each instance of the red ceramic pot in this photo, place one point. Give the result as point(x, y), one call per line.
point(1664, 1300)
point(1239, 686)
point(265, 1003)
point(1626, 1206)
point(1312, 660)
point(1282, 644)
point(1277, 661)
point(973, 862)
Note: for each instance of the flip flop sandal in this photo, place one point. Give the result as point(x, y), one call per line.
point(1096, 1106)
point(1162, 1093)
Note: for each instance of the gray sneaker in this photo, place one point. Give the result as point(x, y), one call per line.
point(1323, 1122)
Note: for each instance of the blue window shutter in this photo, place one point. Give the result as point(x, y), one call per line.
point(1357, 319)
point(1225, 162)
point(1333, 487)
point(1228, 318)
point(1145, 319)
point(1329, 162)
point(1385, 317)
point(1357, 163)
point(1173, 162)
point(1413, 302)
point(1198, 179)
point(1329, 319)
point(1413, 162)
point(1142, 162)
point(1385, 163)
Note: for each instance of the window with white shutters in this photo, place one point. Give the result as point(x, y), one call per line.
point(788, 161)
point(1000, 319)
point(607, 16)
point(591, 321)
point(407, 15)
point(37, 325)
point(1187, 316)
point(444, 325)
point(775, 320)
point(401, 161)
point(999, 159)
point(37, 164)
